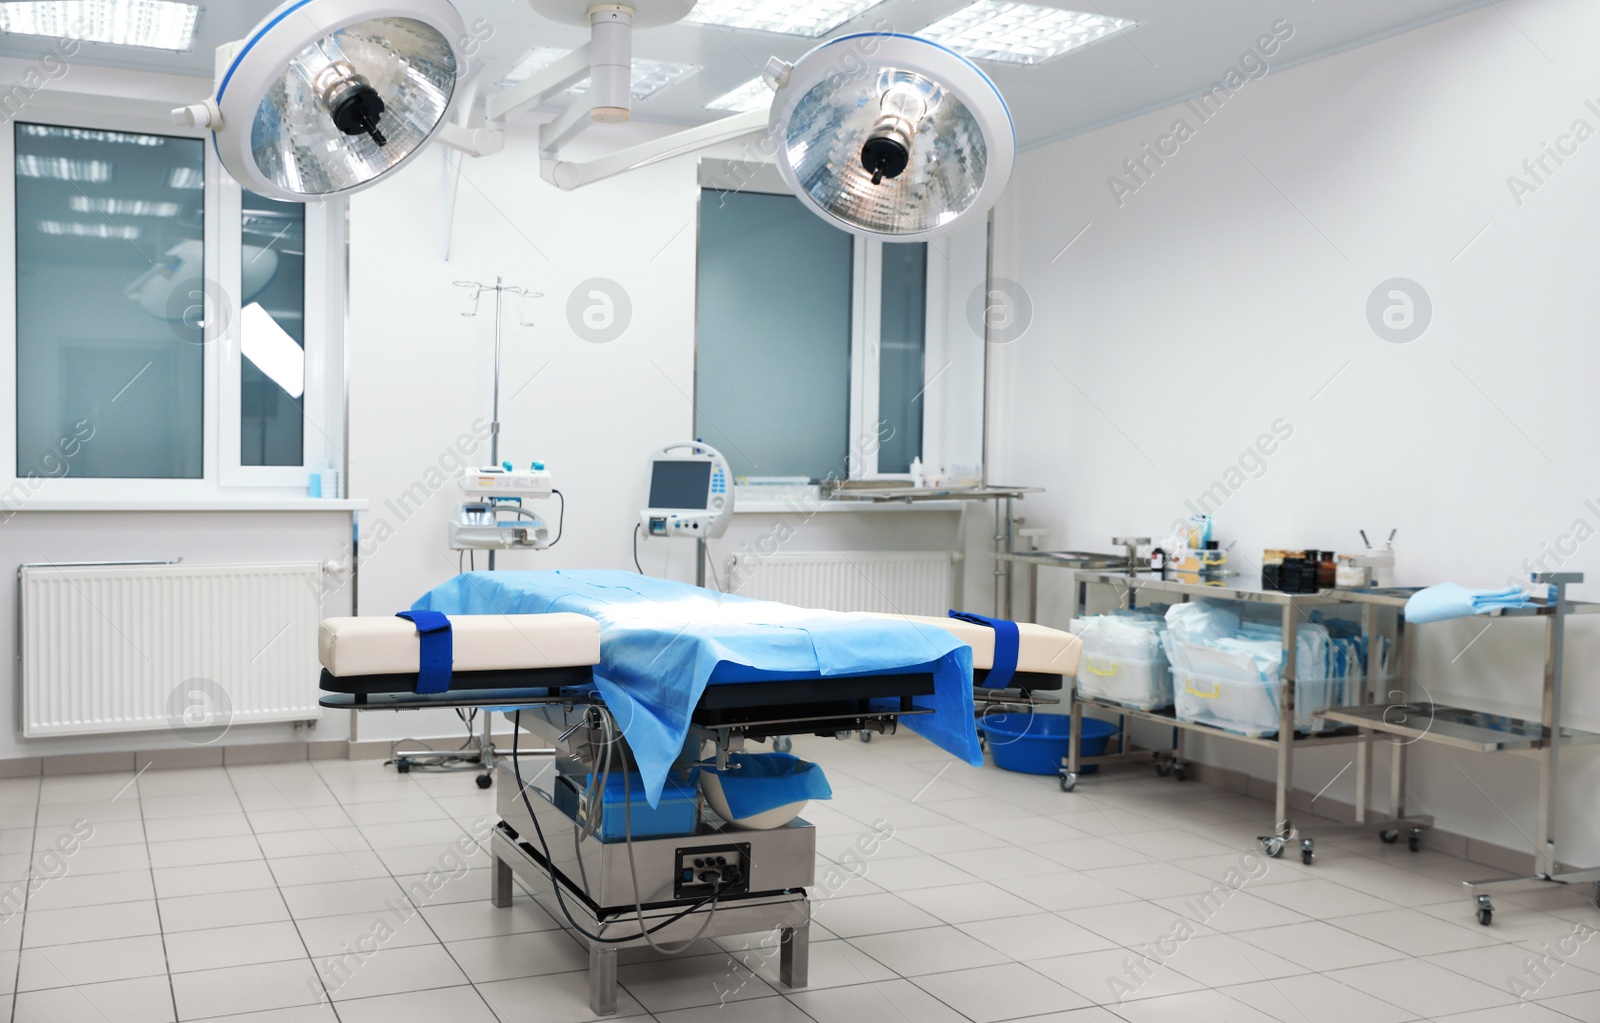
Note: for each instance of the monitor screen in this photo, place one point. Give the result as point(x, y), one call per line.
point(679, 484)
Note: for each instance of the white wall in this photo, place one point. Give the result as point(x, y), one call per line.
point(1230, 291)
point(422, 374)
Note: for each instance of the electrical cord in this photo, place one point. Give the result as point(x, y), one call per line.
point(636, 527)
point(516, 767)
point(561, 520)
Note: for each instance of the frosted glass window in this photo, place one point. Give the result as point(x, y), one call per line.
point(272, 367)
point(902, 343)
point(772, 371)
point(110, 258)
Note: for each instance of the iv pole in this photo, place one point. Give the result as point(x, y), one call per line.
point(500, 289)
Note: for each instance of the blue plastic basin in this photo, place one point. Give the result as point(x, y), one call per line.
point(1038, 743)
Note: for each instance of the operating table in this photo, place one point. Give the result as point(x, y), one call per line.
point(555, 674)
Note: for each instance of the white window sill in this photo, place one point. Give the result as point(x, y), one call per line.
point(262, 504)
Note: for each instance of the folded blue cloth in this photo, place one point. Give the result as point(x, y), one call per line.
point(1451, 600)
point(662, 642)
point(758, 782)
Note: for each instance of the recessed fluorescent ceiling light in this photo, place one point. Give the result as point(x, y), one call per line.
point(755, 94)
point(272, 350)
point(45, 131)
point(186, 177)
point(123, 207)
point(812, 18)
point(63, 168)
point(77, 230)
point(649, 76)
point(159, 24)
point(1019, 33)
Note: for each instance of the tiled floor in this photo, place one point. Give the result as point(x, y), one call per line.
point(219, 893)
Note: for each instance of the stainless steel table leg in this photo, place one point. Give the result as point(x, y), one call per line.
point(794, 956)
point(602, 980)
point(501, 890)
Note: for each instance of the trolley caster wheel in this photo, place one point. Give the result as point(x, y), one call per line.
point(1414, 840)
point(485, 780)
point(1485, 910)
point(1389, 837)
point(782, 744)
point(866, 736)
point(1164, 769)
point(1307, 851)
point(1180, 772)
point(1069, 781)
point(402, 766)
point(1273, 847)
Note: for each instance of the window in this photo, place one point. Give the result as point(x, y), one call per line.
point(176, 337)
point(110, 262)
point(813, 346)
point(272, 371)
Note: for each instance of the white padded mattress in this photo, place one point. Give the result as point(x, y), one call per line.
point(1039, 648)
point(382, 646)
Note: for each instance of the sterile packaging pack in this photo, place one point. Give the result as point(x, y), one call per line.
point(1124, 660)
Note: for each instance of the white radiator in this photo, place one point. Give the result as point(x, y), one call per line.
point(902, 582)
point(105, 648)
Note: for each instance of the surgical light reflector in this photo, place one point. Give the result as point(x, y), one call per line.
point(892, 136)
point(648, 76)
point(74, 229)
point(272, 350)
point(63, 168)
point(814, 18)
point(326, 97)
point(158, 24)
point(123, 207)
point(1020, 33)
point(752, 95)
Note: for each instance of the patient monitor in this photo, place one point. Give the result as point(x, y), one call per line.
point(689, 492)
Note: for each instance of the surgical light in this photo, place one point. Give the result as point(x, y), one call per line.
point(755, 94)
point(891, 136)
point(326, 97)
point(814, 18)
point(1020, 33)
point(158, 24)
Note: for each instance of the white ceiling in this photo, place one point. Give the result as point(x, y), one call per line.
point(1179, 48)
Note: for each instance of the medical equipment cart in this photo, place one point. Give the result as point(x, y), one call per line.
point(1478, 731)
point(1131, 589)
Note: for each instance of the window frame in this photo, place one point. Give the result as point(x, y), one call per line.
point(223, 476)
point(866, 300)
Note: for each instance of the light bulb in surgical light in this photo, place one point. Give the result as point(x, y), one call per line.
point(348, 97)
point(888, 147)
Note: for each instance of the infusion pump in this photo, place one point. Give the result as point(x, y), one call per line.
point(493, 517)
point(690, 492)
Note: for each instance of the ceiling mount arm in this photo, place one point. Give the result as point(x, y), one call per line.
point(541, 85)
point(568, 175)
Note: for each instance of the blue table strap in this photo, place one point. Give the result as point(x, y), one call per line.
point(1007, 643)
point(438, 650)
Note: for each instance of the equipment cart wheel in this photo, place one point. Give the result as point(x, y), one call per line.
point(866, 736)
point(1485, 910)
point(1389, 836)
point(782, 744)
point(1272, 845)
point(403, 766)
point(1069, 781)
point(1164, 768)
point(1307, 851)
point(485, 780)
point(1414, 840)
point(1180, 772)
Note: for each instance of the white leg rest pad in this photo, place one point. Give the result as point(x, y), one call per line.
point(1040, 649)
point(382, 646)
